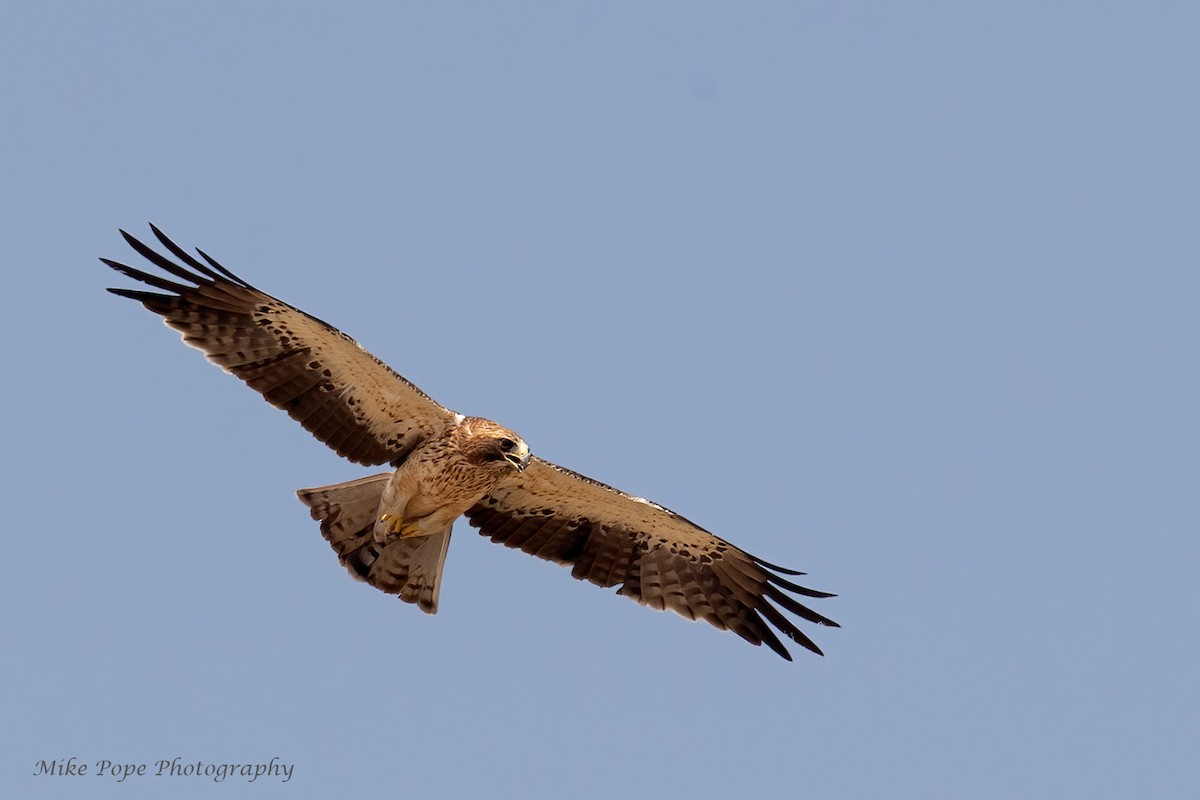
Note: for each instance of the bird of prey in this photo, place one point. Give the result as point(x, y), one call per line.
point(392, 529)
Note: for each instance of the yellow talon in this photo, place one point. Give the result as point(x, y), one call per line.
point(397, 525)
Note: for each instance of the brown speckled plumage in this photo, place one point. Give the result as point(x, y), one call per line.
point(447, 465)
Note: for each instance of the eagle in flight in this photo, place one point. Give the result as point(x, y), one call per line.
point(392, 529)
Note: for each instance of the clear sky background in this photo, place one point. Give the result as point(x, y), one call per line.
point(901, 294)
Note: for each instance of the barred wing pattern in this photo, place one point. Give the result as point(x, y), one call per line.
point(659, 558)
point(326, 381)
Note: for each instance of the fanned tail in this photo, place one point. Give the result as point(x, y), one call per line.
point(410, 568)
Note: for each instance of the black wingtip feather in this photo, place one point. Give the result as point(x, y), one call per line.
point(800, 610)
point(165, 264)
point(797, 588)
point(771, 640)
point(204, 274)
point(145, 277)
point(786, 627)
point(213, 263)
point(776, 567)
point(142, 297)
point(183, 255)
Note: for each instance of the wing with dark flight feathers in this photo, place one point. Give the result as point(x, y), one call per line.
point(326, 381)
point(658, 557)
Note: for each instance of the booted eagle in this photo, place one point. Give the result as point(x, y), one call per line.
point(392, 529)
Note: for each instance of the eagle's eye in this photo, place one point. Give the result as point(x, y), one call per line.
point(507, 445)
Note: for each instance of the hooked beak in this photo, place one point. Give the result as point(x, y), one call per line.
point(519, 458)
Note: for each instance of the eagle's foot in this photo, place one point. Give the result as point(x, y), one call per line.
point(397, 528)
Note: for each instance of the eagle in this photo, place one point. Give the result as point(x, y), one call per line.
point(392, 529)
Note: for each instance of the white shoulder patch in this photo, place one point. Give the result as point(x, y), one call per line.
point(650, 503)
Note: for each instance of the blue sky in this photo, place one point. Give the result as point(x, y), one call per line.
point(903, 295)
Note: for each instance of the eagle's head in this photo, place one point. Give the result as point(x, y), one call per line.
point(487, 442)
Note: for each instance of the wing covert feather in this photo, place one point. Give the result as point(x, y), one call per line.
point(322, 378)
point(658, 557)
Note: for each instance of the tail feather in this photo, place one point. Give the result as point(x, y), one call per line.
point(410, 568)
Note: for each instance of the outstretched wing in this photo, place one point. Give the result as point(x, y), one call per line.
point(326, 381)
point(658, 557)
